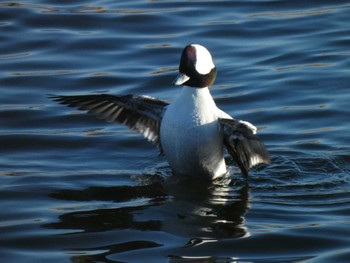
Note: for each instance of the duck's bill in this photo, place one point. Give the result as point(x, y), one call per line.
point(181, 79)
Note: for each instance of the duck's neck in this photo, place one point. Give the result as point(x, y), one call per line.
point(199, 98)
point(195, 92)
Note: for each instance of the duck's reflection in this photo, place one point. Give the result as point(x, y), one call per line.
point(200, 212)
point(206, 211)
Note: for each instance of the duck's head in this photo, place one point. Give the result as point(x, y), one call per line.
point(197, 68)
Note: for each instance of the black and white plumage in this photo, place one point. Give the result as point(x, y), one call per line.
point(191, 131)
point(139, 113)
point(242, 143)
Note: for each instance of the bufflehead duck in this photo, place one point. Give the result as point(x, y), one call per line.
point(192, 131)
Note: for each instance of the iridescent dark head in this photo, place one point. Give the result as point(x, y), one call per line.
point(197, 68)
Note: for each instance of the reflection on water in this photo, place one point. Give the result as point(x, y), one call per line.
point(199, 212)
point(208, 259)
point(119, 217)
point(206, 212)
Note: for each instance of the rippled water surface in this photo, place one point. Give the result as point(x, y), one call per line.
point(76, 189)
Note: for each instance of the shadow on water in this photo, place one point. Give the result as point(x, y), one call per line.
point(195, 211)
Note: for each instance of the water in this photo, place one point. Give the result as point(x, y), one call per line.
point(76, 189)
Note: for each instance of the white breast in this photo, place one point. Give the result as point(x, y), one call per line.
point(190, 137)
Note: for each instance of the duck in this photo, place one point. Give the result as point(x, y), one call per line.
point(191, 132)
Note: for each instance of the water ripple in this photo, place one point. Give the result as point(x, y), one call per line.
point(77, 189)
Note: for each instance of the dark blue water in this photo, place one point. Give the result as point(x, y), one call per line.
point(76, 189)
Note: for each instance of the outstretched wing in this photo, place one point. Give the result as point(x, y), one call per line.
point(140, 113)
point(243, 144)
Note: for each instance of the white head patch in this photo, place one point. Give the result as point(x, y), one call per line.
point(204, 63)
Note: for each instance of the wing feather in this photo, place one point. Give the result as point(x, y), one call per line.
point(140, 113)
point(244, 146)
